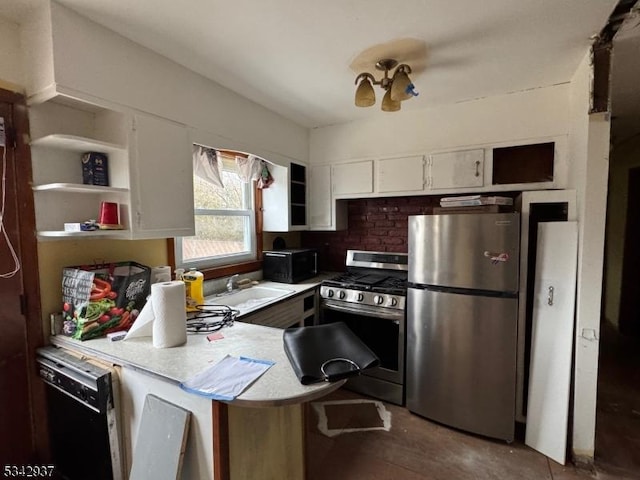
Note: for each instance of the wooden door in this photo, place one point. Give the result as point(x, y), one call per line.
point(629, 319)
point(20, 322)
point(552, 339)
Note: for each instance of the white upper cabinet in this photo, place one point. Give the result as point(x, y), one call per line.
point(456, 169)
point(325, 213)
point(148, 161)
point(161, 178)
point(403, 174)
point(320, 210)
point(284, 202)
point(350, 178)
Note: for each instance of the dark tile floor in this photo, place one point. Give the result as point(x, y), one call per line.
point(417, 449)
point(618, 410)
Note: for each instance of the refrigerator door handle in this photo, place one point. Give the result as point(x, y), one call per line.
point(550, 296)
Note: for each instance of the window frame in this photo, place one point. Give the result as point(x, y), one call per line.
point(242, 263)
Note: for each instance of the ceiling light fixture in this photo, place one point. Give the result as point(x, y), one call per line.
point(398, 87)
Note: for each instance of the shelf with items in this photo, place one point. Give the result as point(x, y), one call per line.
point(62, 134)
point(58, 234)
point(54, 208)
point(57, 160)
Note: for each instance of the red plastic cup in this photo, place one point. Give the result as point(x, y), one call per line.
point(109, 214)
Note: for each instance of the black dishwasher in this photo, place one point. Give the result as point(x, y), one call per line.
point(83, 421)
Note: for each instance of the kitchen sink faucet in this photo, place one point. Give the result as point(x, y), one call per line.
point(231, 282)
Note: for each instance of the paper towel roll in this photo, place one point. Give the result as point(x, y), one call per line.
point(169, 325)
point(160, 274)
point(163, 316)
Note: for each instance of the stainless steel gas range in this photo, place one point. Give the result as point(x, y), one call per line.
point(370, 298)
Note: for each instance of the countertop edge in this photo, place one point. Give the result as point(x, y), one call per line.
point(247, 399)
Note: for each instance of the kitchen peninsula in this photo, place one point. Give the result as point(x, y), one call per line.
point(260, 434)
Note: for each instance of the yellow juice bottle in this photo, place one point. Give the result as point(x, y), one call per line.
point(194, 286)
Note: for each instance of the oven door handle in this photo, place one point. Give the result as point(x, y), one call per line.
point(377, 312)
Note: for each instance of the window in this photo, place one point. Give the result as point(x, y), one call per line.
point(224, 222)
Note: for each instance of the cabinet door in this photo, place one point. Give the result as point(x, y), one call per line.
point(456, 169)
point(354, 177)
point(285, 201)
point(320, 197)
point(162, 179)
point(404, 174)
point(552, 339)
point(281, 315)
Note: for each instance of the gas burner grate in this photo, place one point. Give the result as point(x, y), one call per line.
point(372, 282)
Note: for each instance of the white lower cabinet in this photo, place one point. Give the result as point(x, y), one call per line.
point(299, 311)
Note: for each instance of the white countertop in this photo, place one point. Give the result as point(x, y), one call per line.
point(278, 386)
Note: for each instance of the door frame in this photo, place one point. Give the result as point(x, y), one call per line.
point(626, 325)
point(27, 250)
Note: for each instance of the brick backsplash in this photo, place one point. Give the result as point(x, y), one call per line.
point(378, 224)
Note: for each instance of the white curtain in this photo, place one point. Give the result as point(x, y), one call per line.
point(254, 168)
point(249, 169)
point(207, 165)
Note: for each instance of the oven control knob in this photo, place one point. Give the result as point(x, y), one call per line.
point(342, 294)
point(378, 299)
point(393, 301)
point(329, 293)
point(360, 297)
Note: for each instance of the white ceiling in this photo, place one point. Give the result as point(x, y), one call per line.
point(294, 56)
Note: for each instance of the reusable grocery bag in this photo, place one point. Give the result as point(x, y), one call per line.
point(105, 298)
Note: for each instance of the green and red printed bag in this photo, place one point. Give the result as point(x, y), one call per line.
point(104, 298)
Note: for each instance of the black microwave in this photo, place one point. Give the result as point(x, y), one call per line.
point(289, 266)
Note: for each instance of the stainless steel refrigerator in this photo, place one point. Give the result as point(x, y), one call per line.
point(462, 320)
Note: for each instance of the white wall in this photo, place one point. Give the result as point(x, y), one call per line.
point(519, 116)
point(589, 144)
point(623, 157)
point(11, 71)
point(91, 59)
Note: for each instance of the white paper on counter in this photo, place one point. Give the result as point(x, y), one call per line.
point(226, 379)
